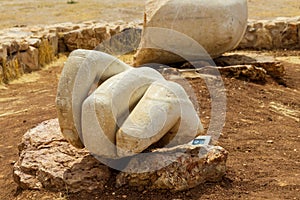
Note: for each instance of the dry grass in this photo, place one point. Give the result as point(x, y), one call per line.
point(31, 12)
point(264, 9)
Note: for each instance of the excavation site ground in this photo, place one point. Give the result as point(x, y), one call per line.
point(261, 131)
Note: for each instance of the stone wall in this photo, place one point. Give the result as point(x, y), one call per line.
point(26, 49)
point(279, 33)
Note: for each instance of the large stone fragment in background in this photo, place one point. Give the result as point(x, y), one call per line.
point(48, 161)
point(179, 168)
point(215, 24)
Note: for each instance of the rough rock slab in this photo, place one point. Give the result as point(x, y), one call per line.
point(48, 161)
point(244, 72)
point(179, 168)
point(273, 67)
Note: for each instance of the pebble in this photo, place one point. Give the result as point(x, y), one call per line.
point(270, 141)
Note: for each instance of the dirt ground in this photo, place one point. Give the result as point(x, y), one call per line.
point(263, 143)
point(261, 131)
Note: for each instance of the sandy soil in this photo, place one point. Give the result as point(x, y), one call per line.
point(31, 12)
point(263, 144)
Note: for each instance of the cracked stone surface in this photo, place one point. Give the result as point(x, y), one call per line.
point(179, 168)
point(48, 161)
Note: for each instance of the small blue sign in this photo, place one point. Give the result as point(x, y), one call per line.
point(202, 139)
point(198, 141)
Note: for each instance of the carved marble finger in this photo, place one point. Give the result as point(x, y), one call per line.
point(82, 69)
point(164, 114)
point(105, 110)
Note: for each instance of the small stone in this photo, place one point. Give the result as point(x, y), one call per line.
point(23, 45)
point(35, 42)
point(30, 59)
point(270, 141)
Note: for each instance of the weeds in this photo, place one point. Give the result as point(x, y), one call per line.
point(71, 2)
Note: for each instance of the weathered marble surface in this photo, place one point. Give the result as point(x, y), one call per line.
point(175, 30)
point(161, 111)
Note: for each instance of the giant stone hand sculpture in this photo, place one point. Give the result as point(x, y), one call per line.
point(130, 110)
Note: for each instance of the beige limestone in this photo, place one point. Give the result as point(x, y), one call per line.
point(217, 25)
point(82, 69)
point(30, 59)
point(106, 109)
point(164, 114)
point(176, 169)
point(48, 161)
point(272, 67)
point(91, 117)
